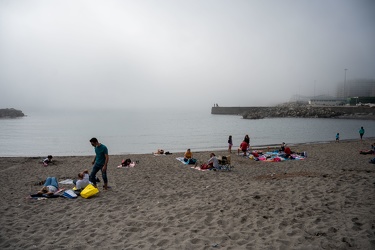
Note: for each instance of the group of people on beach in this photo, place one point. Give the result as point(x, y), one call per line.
point(361, 132)
point(99, 163)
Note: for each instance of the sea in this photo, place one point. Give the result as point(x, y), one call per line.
point(139, 132)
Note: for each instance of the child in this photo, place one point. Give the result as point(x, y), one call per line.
point(230, 144)
point(47, 160)
point(127, 163)
point(338, 137)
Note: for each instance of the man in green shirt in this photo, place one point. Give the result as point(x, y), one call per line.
point(100, 162)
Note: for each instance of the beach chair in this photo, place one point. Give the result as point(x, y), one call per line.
point(225, 163)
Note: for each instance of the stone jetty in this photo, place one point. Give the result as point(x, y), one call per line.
point(298, 110)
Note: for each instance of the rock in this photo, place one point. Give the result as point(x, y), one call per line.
point(11, 113)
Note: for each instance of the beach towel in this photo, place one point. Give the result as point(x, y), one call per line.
point(190, 161)
point(199, 168)
point(66, 182)
point(57, 194)
point(277, 156)
point(131, 165)
point(181, 159)
point(69, 194)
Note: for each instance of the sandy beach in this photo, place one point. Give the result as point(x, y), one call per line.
point(326, 201)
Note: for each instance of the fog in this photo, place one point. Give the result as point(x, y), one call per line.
point(173, 54)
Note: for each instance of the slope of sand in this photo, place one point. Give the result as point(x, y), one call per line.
point(324, 202)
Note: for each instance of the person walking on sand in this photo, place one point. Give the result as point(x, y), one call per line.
point(361, 132)
point(230, 144)
point(100, 162)
point(338, 137)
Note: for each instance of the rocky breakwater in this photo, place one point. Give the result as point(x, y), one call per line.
point(302, 111)
point(11, 113)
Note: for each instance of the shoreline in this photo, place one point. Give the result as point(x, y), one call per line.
point(326, 200)
point(256, 147)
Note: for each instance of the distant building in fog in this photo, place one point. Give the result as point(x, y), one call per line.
point(324, 100)
point(359, 87)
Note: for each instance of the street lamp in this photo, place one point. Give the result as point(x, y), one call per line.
point(344, 83)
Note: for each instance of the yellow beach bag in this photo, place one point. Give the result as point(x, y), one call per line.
point(89, 191)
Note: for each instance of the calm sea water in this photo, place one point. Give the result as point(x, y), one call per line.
point(68, 134)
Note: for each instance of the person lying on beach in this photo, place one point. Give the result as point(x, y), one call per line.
point(127, 163)
point(50, 186)
point(243, 147)
point(212, 162)
point(368, 152)
point(188, 157)
point(47, 160)
point(83, 180)
point(159, 152)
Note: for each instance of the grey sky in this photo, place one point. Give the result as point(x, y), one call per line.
point(179, 54)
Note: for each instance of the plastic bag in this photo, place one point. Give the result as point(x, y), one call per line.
point(89, 191)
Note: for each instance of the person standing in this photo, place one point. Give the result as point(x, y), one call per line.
point(230, 144)
point(338, 137)
point(100, 162)
point(361, 132)
point(247, 140)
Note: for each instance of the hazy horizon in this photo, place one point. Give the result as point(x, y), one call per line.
point(180, 55)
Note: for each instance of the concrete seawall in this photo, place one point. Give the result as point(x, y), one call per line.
point(351, 110)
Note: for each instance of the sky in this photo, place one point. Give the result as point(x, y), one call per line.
point(178, 54)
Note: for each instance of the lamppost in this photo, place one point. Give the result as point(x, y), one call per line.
point(314, 87)
point(344, 94)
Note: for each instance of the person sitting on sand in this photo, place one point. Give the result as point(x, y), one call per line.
point(47, 160)
point(243, 147)
point(50, 186)
point(212, 162)
point(288, 153)
point(83, 180)
point(188, 157)
point(368, 152)
point(282, 147)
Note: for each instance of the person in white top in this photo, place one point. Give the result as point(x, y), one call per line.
point(213, 162)
point(83, 180)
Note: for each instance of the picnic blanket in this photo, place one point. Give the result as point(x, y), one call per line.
point(275, 156)
point(181, 159)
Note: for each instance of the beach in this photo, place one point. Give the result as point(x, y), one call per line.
point(326, 201)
